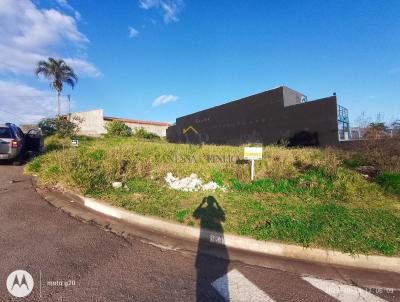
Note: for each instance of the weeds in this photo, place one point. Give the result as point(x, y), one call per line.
point(182, 215)
point(35, 165)
point(306, 196)
point(389, 181)
point(383, 154)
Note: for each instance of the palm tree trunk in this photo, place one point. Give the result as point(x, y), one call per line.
point(58, 103)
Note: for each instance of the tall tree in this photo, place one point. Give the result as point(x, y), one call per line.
point(58, 72)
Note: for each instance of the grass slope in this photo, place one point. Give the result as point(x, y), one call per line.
point(305, 196)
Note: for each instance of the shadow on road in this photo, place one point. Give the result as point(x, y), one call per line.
point(9, 162)
point(210, 268)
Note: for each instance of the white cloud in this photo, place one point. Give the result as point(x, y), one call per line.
point(64, 3)
point(23, 104)
point(67, 6)
point(18, 61)
point(29, 34)
point(132, 32)
point(77, 15)
point(164, 99)
point(170, 9)
point(147, 4)
point(83, 67)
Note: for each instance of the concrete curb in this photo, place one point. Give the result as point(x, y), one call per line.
point(391, 264)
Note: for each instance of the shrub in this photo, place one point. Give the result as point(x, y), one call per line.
point(117, 128)
point(143, 133)
point(61, 125)
point(48, 126)
point(67, 127)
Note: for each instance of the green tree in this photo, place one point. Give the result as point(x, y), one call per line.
point(48, 126)
point(67, 128)
point(61, 125)
point(118, 128)
point(378, 126)
point(58, 72)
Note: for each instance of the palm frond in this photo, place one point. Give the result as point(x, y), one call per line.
point(70, 82)
point(71, 74)
point(58, 71)
point(56, 62)
point(42, 68)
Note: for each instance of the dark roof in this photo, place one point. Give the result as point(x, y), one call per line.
point(110, 118)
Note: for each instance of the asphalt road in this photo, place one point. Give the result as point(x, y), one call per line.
point(101, 266)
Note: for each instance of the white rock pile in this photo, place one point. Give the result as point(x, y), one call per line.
point(117, 184)
point(190, 184)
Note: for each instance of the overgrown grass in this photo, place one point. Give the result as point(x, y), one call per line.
point(389, 181)
point(306, 196)
point(313, 182)
point(383, 154)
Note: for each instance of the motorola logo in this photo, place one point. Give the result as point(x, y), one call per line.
point(20, 283)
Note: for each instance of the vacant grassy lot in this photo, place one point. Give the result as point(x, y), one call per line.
point(307, 196)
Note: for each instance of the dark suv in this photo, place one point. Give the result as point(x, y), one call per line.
point(14, 144)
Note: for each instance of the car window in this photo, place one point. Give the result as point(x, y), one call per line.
point(20, 133)
point(5, 132)
point(15, 132)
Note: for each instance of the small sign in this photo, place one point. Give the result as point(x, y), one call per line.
point(75, 143)
point(253, 153)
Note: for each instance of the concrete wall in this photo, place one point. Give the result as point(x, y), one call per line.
point(260, 118)
point(91, 124)
point(318, 116)
point(292, 97)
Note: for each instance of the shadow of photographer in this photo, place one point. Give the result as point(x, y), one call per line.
point(210, 268)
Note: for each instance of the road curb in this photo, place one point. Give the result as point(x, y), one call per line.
point(373, 262)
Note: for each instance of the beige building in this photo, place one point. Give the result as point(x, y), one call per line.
point(93, 122)
point(158, 128)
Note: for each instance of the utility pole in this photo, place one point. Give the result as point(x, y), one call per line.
point(69, 106)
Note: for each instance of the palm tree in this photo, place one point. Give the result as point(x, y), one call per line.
point(58, 72)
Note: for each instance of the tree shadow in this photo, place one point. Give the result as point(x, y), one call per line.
point(211, 241)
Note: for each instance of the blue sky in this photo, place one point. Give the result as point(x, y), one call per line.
point(161, 59)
